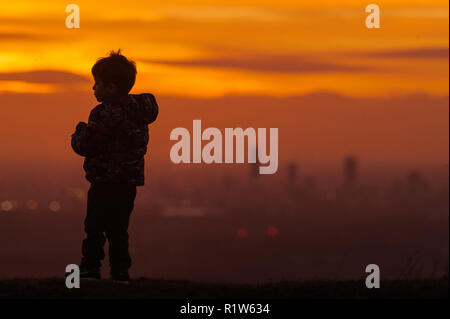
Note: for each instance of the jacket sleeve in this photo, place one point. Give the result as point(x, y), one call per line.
point(151, 108)
point(89, 139)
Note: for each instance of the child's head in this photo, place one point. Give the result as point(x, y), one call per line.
point(113, 75)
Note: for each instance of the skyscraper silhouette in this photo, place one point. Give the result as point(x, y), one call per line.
point(350, 170)
point(292, 176)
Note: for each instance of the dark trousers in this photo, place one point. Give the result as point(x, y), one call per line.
point(109, 207)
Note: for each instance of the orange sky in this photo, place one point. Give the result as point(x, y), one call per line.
point(212, 49)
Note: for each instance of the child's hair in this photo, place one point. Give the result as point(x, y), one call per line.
point(116, 69)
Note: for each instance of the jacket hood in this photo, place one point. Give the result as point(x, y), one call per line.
point(144, 107)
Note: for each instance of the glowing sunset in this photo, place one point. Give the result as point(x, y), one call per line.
point(277, 48)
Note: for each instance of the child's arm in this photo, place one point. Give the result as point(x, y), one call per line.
point(89, 138)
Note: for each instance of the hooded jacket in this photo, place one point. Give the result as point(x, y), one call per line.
point(114, 141)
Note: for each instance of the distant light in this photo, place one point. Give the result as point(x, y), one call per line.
point(54, 206)
point(76, 192)
point(272, 231)
point(79, 193)
point(242, 232)
point(32, 204)
point(7, 205)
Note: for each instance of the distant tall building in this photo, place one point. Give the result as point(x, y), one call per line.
point(254, 168)
point(253, 171)
point(292, 175)
point(417, 184)
point(350, 170)
point(310, 183)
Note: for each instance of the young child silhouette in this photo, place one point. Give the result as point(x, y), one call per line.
point(113, 142)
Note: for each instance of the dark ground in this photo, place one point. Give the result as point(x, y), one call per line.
point(144, 288)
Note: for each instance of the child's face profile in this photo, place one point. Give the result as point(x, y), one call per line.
point(103, 90)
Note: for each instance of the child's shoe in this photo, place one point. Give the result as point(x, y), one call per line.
point(121, 277)
point(92, 274)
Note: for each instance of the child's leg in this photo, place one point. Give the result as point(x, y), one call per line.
point(92, 248)
point(118, 216)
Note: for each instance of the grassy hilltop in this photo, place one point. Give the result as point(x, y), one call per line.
point(144, 288)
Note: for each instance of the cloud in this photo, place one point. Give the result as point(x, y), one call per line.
point(43, 76)
point(224, 13)
point(285, 64)
point(24, 36)
point(420, 53)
